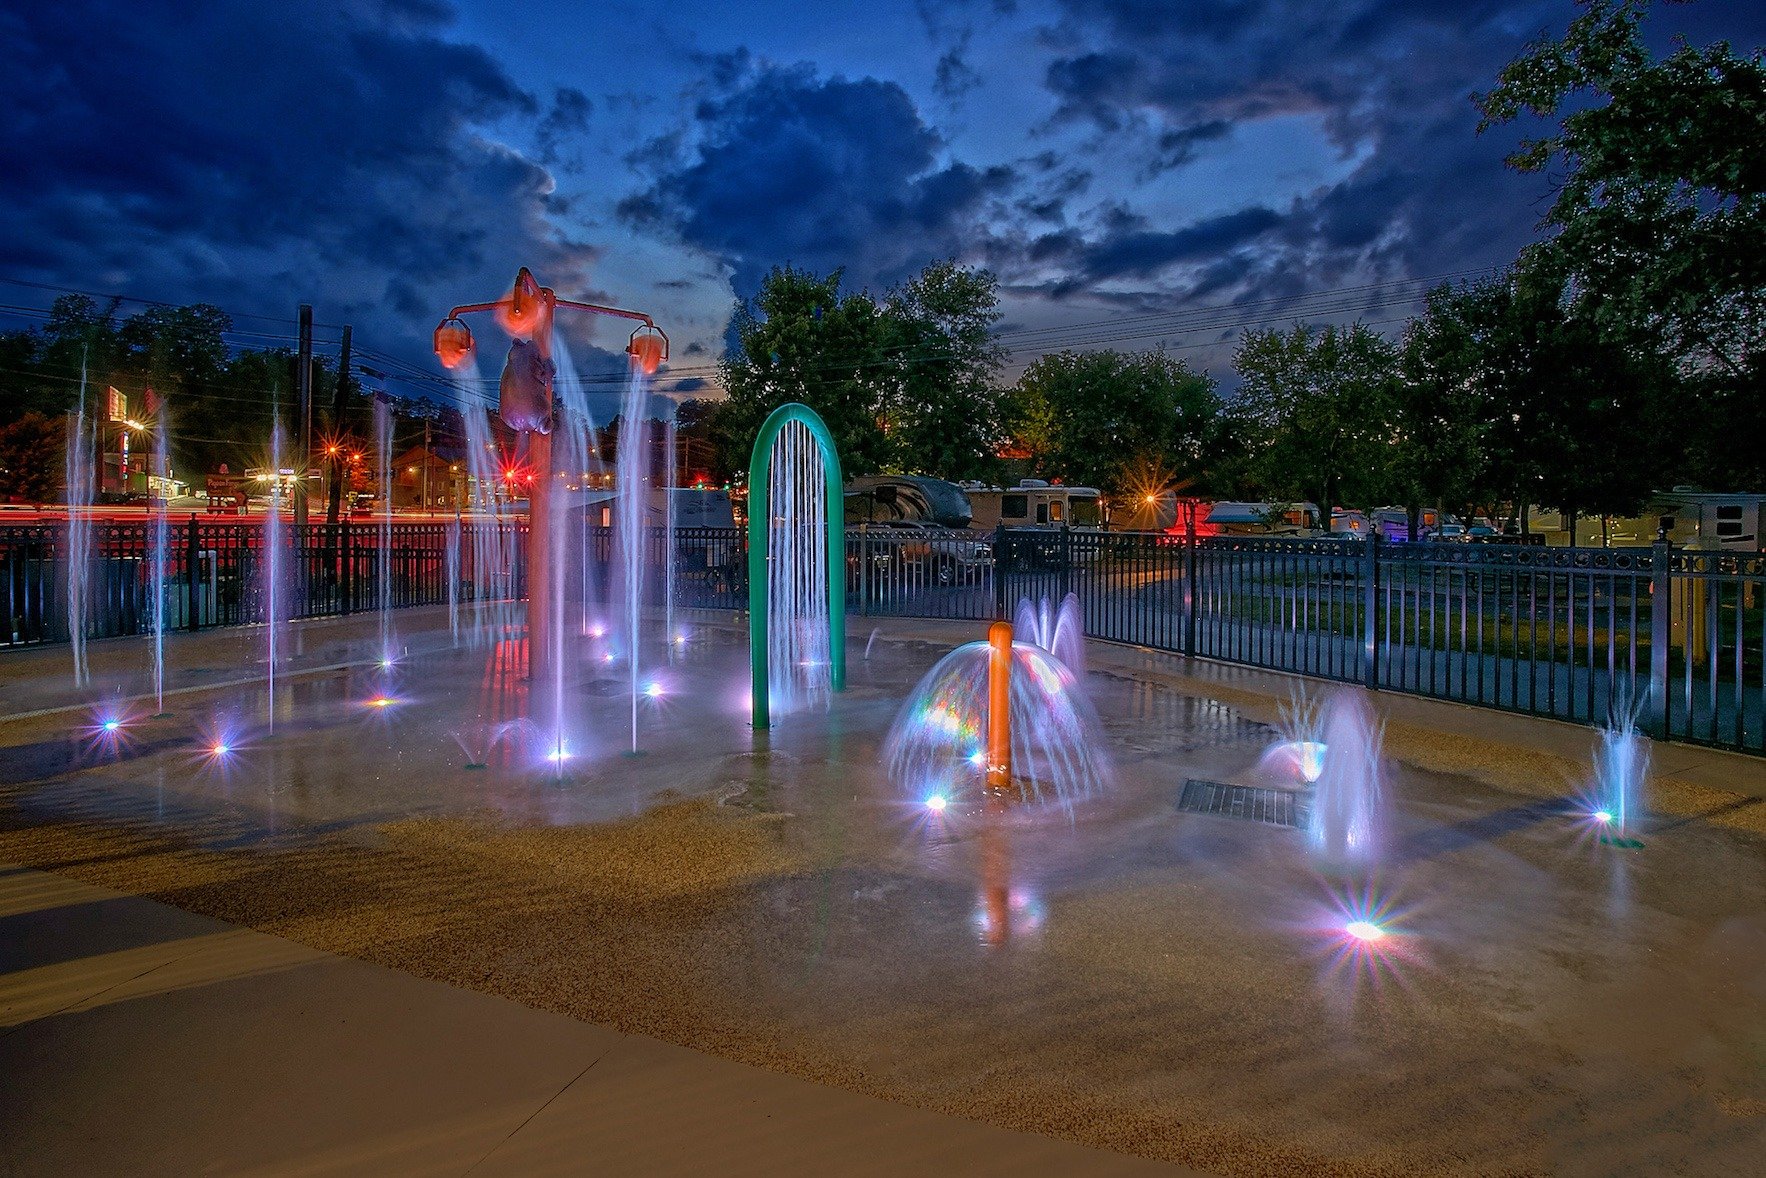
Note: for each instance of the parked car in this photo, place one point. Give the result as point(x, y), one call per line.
point(918, 550)
point(956, 555)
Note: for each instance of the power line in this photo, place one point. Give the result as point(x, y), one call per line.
point(1119, 321)
point(1224, 317)
point(107, 295)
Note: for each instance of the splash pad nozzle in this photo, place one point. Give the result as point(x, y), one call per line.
point(996, 721)
point(648, 347)
point(453, 342)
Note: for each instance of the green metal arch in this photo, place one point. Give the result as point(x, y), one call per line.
point(759, 511)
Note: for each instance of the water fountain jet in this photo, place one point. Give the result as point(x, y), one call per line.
point(947, 739)
point(158, 544)
point(1622, 767)
point(1058, 630)
point(796, 562)
point(1349, 798)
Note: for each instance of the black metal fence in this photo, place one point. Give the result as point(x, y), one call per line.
point(1577, 634)
point(218, 573)
point(1574, 634)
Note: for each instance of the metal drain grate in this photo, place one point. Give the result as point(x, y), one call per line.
point(1277, 807)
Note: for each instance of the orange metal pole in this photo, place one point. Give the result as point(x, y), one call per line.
point(999, 705)
point(996, 867)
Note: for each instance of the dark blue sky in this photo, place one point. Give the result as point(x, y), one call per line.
point(1111, 160)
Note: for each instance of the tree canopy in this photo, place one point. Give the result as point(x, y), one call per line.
point(1659, 223)
point(1110, 419)
point(906, 384)
point(1316, 414)
point(1510, 394)
point(221, 400)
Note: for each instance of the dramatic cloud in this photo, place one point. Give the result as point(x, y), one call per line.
point(1097, 154)
point(1138, 252)
point(1389, 83)
point(568, 120)
point(230, 153)
point(788, 167)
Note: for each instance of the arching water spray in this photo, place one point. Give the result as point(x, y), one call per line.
point(944, 743)
point(796, 578)
point(1060, 631)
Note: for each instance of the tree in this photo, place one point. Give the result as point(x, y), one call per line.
point(1317, 413)
point(1464, 447)
point(31, 449)
point(944, 416)
point(802, 339)
point(1660, 215)
point(1101, 418)
point(1511, 395)
point(40, 370)
point(695, 426)
point(904, 385)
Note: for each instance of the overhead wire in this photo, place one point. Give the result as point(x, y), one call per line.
point(1225, 318)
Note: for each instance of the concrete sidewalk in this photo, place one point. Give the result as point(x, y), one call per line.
point(136, 1038)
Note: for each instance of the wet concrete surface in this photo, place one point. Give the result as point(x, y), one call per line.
point(1122, 973)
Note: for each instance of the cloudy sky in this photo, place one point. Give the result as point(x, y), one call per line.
point(1137, 172)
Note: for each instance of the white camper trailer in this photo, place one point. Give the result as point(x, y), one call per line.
point(1034, 503)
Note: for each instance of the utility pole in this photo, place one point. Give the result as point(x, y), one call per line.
point(339, 405)
point(303, 376)
point(426, 466)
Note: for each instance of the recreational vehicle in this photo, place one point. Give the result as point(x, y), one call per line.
point(1034, 503)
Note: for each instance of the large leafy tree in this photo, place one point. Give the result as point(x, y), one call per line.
point(801, 338)
point(40, 370)
point(1317, 413)
point(1512, 395)
point(944, 415)
point(1660, 213)
point(220, 400)
point(1105, 418)
point(30, 458)
point(1457, 455)
point(905, 384)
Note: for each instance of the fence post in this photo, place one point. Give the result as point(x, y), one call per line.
point(192, 576)
point(1066, 562)
point(1370, 612)
point(999, 571)
point(1189, 581)
point(347, 568)
point(1661, 633)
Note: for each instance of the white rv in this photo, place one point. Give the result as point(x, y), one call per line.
point(1034, 503)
